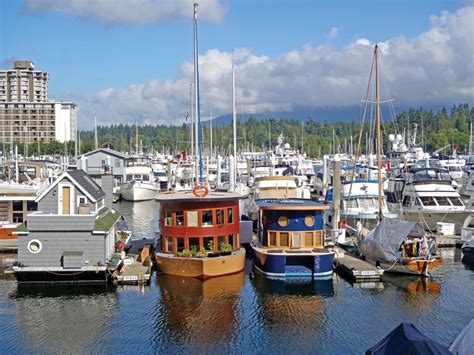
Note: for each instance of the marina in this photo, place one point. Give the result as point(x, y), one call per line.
point(238, 313)
point(250, 208)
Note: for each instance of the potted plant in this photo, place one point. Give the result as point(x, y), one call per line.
point(187, 253)
point(226, 249)
point(194, 251)
point(211, 253)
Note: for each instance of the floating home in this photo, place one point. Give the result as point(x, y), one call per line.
point(290, 241)
point(199, 235)
point(72, 234)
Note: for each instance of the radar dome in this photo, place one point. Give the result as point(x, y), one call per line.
point(391, 137)
point(399, 137)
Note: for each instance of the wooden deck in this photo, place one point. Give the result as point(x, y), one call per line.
point(136, 273)
point(355, 268)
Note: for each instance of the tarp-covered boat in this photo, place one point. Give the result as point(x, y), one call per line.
point(464, 343)
point(400, 246)
point(407, 339)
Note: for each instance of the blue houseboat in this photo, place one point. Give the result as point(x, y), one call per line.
point(290, 241)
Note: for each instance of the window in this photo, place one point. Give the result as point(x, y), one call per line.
point(283, 221)
point(428, 201)
point(194, 242)
point(230, 215)
point(296, 240)
point(129, 177)
point(117, 163)
point(273, 239)
point(456, 201)
point(309, 221)
point(179, 215)
point(308, 239)
point(168, 218)
point(207, 217)
point(146, 178)
point(34, 246)
point(192, 217)
point(17, 205)
point(220, 240)
point(284, 239)
point(220, 217)
point(31, 206)
point(102, 163)
point(179, 244)
point(208, 243)
point(406, 201)
point(443, 201)
point(169, 244)
point(231, 240)
point(82, 200)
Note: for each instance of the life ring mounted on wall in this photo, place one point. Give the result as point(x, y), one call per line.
point(200, 191)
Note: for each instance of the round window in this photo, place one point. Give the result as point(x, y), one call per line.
point(35, 246)
point(309, 221)
point(283, 221)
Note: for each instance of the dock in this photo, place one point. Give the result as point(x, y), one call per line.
point(135, 273)
point(356, 269)
point(449, 241)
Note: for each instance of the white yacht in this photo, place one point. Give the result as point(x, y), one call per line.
point(427, 195)
point(140, 182)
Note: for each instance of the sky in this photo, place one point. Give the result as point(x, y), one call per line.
point(128, 60)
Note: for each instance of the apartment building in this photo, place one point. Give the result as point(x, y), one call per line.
point(26, 114)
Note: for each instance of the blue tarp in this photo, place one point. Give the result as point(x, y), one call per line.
point(406, 339)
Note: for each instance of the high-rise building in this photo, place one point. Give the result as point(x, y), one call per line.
point(26, 114)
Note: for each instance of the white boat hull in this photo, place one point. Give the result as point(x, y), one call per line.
point(139, 191)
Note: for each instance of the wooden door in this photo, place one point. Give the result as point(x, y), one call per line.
point(66, 200)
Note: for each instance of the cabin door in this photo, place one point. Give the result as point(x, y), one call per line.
point(66, 200)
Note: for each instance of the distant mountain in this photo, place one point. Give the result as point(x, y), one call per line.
point(320, 114)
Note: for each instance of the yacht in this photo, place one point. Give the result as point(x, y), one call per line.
point(140, 182)
point(426, 195)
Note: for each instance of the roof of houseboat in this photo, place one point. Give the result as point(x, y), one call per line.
point(189, 196)
point(290, 204)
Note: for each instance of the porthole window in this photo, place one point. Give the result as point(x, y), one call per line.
point(283, 221)
point(309, 221)
point(35, 246)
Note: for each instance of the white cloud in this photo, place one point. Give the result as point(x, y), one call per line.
point(433, 67)
point(333, 32)
point(135, 12)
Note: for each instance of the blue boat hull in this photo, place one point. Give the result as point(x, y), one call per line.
point(294, 266)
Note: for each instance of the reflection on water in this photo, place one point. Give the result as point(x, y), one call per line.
point(418, 292)
point(141, 217)
point(201, 313)
point(62, 319)
point(242, 313)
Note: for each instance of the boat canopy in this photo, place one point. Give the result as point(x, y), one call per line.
point(407, 339)
point(383, 242)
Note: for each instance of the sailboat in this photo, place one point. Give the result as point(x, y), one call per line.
point(199, 229)
point(395, 245)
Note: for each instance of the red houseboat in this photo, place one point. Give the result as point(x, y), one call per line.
point(199, 234)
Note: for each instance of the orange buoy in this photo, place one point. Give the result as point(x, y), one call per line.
point(200, 191)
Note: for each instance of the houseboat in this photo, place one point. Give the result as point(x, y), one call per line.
point(199, 234)
point(290, 240)
point(71, 235)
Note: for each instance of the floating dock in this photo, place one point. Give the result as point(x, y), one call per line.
point(136, 273)
point(449, 241)
point(356, 269)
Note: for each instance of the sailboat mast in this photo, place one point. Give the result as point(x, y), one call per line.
point(379, 132)
point(198, 133)
point(234, 120)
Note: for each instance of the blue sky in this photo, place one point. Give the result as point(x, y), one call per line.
point(86, 52)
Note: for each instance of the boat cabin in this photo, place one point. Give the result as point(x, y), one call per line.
point(188, 223)
point(291, 223)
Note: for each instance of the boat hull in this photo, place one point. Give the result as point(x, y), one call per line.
point(420, 267)
point(42, 276)
point(285, 265)
point(139, 191)
point(431, 218)
point(202, 268)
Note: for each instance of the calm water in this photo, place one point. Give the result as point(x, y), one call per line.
point(237, 314)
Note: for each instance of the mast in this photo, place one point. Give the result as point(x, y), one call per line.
point(96, 139)
point(379, 132)
point(470, 140)
point(198, 133)
point(136, 137)
point(210, 133)
point(234, 120)
point(191, 107)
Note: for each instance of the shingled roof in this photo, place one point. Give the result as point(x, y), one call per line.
point(87, 183)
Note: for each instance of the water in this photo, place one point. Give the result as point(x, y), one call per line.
point(242, 313)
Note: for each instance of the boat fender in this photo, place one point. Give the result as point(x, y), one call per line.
point(200, 191)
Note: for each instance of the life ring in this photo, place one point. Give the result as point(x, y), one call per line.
point(200, 191)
